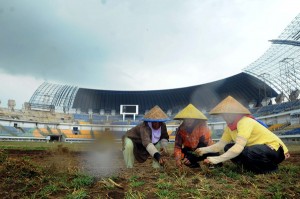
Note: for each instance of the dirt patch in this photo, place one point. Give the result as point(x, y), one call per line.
point(62, 173)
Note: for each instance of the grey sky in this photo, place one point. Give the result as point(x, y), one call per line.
point(132, 44)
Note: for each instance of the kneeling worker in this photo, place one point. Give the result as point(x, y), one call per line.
point(149, 138)
point(191, 134)
point(254, 146)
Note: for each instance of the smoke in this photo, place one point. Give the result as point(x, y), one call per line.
point(103, 160)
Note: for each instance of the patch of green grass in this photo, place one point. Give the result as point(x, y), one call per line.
point(134, 182)
point(133, 178)
point(229, 186)
point(232, 174)
point(49, 189)
point(245, 192)
point(162, 175)
point(276, 189)
point(164, 185)
point(290, 169)
point(137, 183)
point(82, 180)
point(165, 193)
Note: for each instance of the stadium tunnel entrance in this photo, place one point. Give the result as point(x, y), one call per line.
point(54, 138)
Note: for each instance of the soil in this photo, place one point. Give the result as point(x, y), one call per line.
point(112, 179)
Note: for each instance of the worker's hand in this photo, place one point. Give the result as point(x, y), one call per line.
point(179, 164)
point(206, 161)
point(162, 161)
point(186, 161)
point(164, 151)
point(287, 155)
point(199, 152)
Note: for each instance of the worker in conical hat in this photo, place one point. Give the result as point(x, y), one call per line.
point(149, 138)
point(190, 135)
point(254, 146)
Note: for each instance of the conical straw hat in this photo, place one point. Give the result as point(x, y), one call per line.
point(229, 105)
point(191, 112)
point(155, 115)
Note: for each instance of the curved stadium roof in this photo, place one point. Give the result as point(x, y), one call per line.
point(276, 71)
point(242, 86)
point(279, 66)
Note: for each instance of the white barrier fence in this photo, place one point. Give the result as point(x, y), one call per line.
point(284, 138)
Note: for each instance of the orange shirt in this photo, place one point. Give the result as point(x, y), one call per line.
point(200, 134)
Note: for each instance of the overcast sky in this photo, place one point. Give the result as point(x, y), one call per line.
point(132, 44)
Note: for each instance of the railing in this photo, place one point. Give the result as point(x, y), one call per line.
point(29, 139)
point(81, 140)
point(284, 138)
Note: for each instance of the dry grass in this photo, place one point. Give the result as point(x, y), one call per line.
point(62, 171)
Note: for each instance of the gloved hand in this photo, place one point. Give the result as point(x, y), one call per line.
point(199, 152)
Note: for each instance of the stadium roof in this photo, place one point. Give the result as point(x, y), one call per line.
point(279, 66)
point(243, 87)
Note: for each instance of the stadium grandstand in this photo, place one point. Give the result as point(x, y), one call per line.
point(268, 87)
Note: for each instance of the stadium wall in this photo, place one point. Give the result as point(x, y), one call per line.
point(119, 130)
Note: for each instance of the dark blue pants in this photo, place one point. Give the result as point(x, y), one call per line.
point(258, 158)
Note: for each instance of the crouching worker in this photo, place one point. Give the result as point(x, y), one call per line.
point(149, 138)
point(254, 147)
point(191, 134)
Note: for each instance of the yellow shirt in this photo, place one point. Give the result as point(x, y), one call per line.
point(254, 133)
